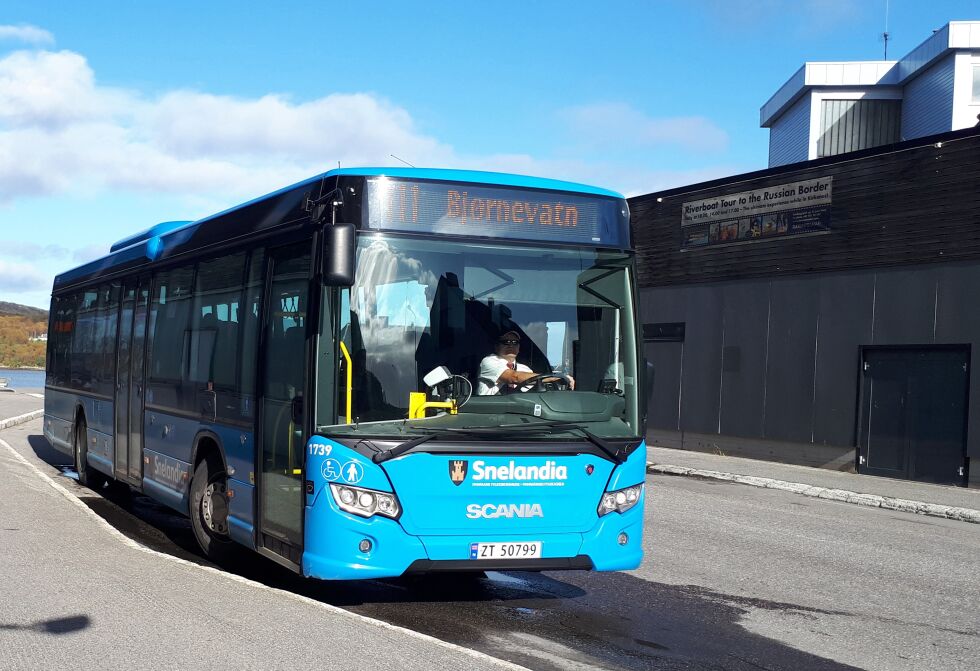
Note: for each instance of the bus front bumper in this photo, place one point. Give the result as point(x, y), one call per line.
point(336, 551)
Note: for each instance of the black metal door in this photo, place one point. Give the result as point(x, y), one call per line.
point(913, 413)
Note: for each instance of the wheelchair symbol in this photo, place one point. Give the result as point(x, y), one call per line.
point(330, 470)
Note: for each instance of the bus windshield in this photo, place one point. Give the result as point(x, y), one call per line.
point(419, 304)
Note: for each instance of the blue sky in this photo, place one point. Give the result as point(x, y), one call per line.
point(115, 116)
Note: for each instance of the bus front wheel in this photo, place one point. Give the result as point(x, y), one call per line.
point(87, 476)
point(209, 511)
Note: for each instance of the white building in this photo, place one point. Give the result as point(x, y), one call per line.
point(831, 108)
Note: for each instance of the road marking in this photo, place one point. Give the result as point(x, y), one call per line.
point(129, 542)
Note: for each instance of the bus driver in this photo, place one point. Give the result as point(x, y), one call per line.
point(501, 370)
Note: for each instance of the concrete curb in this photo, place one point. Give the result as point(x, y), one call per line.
point(842, 495)
point(20, 419)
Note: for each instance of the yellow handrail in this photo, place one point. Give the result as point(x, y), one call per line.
point(350, 378)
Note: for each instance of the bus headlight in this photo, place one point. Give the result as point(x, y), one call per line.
point(365, 502)
point(620, 500)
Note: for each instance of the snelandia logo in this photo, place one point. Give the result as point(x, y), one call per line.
point(547, 474)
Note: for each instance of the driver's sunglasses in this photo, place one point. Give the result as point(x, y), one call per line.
point(509, 342)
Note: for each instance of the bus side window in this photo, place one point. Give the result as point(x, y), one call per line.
point(214, 327)
point(170, 313)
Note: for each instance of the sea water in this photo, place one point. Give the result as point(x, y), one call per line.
point(23, 378)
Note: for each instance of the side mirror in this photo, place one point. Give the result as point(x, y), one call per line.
point(338, 255)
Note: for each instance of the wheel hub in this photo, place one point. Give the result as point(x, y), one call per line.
point(214, 507)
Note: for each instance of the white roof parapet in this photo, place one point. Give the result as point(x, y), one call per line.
point(839, 74)
point(954, 35)
point(787, 94)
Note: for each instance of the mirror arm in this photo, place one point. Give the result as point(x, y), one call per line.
point(317, 207)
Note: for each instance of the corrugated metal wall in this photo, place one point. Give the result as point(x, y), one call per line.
point(778, 359)
point(789, 137)
point(928, 105)
point(850, 125)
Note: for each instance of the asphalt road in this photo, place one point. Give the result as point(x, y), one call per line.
point(735, 577)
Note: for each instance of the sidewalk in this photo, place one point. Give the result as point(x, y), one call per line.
point(78, 594)
point(867, 490)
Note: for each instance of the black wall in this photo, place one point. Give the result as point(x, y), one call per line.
point(907, 203)
point(769, 364)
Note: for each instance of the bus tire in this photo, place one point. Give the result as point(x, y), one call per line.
point(87, 476)
point(209, 511)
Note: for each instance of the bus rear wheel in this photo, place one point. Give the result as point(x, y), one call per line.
point(87, 476)
point(209, 512)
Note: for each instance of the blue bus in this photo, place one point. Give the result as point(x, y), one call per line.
point(370, 373)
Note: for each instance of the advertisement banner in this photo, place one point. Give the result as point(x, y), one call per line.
point(779, 211)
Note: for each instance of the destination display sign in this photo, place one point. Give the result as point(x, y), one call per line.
point(496, 212)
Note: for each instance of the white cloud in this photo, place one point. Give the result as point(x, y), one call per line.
point(26, 33)
point(60, 132)
point(17, 277)
point(31, 250)
point(622, 125)
point(50, 90)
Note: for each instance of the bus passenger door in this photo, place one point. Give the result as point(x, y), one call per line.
point(283, 439)
point(137, 355)
point(130, 351)
point(123, 377)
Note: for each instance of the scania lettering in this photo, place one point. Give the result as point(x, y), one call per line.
point(300, 374)
point(493, 511)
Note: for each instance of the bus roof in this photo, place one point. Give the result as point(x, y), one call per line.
point(149, 244)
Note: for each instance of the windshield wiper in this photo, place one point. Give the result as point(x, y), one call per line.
point(412, 443)
point(501, 430)
point(616, 454)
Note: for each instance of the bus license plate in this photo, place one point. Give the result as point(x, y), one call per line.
point(528, 550)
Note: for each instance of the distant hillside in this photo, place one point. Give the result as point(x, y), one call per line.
point(17, 350)
point(15, 310)
point(18, 323)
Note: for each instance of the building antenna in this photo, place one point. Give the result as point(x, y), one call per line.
point(885, 34)
point(402, 160)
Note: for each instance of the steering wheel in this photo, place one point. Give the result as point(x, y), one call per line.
point(537, 382)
